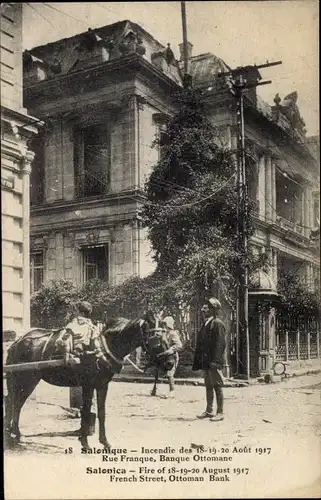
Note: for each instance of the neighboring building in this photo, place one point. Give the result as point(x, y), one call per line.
point(284, 185)
point(16, 129)
point(104, 95)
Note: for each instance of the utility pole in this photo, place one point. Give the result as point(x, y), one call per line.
point(242, 79)
point(187, 80)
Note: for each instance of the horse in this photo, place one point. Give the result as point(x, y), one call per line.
point(119, 337)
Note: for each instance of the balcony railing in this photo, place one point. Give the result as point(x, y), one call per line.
point(89, 184)
point(289, 225)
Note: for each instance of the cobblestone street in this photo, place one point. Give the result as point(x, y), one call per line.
point(284, 417)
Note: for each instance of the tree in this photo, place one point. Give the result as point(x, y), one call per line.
point(99, 294)
point(53, 305)
point(190, 208)
point(296, 298)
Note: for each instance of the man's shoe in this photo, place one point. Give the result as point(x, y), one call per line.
point(205, 414)
point(218, 417)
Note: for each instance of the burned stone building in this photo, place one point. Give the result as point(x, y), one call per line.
point(105, 95)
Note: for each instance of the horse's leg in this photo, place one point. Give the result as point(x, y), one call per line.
point(87, 395)
point(8, 402)
point(22, 387)
point(101, 404)
point(154, 390)
point(8, 410)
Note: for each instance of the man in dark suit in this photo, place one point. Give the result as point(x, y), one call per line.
point(209, 357)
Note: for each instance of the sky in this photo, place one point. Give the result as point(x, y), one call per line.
point(240, 32)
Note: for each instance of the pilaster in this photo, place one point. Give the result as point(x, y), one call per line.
point(273, 190)
point(268, 189)
point(307, 203)
point(26, 171)
point(261, 187)
point(131, 151)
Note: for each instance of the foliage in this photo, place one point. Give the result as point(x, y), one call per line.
point(53, 305)
point(190, 210)
point(136, 295)
point(295, 296)
point(99, 294)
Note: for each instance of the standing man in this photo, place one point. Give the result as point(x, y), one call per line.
point(209, 357)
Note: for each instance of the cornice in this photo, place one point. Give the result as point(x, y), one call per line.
point(284, 137)
point(103, 222)
point(89, 76)
point(61, 206)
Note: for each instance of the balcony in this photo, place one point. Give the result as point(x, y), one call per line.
point(92, 184)
point(288, 225)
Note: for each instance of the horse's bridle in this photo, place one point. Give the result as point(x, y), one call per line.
point(144, 339)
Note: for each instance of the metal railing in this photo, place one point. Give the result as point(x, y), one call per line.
point(289, 225)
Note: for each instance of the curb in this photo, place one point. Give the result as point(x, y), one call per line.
point(200, 382)
point(227, 383)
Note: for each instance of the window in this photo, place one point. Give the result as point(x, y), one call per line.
point(92, 160)
point(36, 271)
point(95, 263)
point(37, 175)
point(289, 199)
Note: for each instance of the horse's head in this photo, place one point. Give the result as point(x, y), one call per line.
point(150, 319)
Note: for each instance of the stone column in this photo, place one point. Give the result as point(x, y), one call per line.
point(309, 275)
point(307, 222)
point(268, 189)
point(261, 187)
point(135, 239)
point(131, 168)
point(273, 191)
point(26, 171)
point(274, 266)
point(301, 224)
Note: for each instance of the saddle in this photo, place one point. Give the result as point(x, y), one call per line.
point(55, 347)
point(60, 345)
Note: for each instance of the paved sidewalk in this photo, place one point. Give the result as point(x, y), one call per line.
point(295, 369)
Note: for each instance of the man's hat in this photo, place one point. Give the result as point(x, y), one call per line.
point(214, 303)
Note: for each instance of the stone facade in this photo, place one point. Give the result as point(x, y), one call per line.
point(283, 169)
point(114, 82)
point(16, 129)
point(107, 93)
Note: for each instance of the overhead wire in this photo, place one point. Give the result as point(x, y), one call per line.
point(66, 14)
point(73, 17)
point(41, 15)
